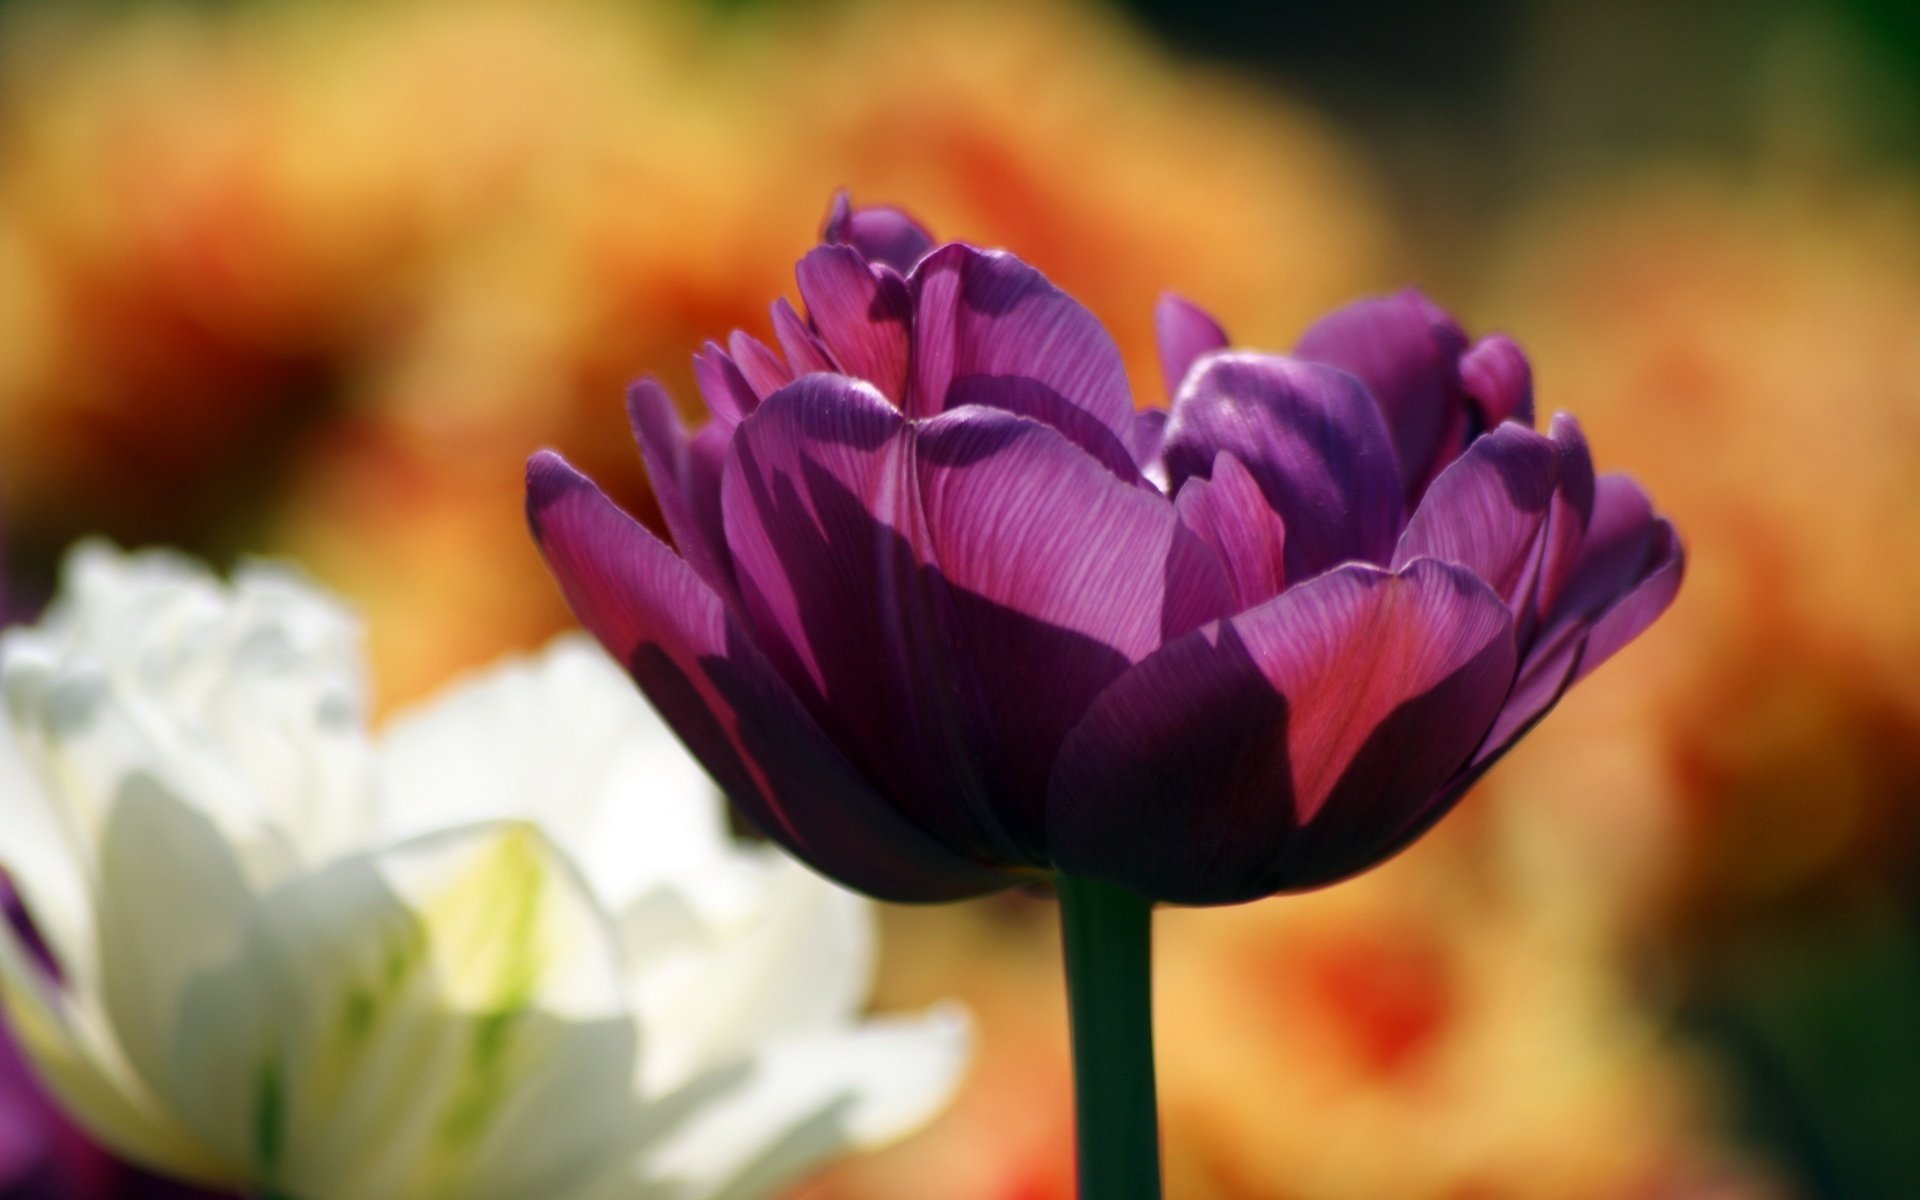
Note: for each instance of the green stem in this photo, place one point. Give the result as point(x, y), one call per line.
point(1108, 937)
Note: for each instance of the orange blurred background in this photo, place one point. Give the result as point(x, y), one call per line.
point(311, 280)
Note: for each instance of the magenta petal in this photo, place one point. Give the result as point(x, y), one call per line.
point(989, 329)
point(1312, 438)
point(1228, 513)
point(1184, 332)
point(1406, 350)
point(685, 475)
point(805, 354)
point(1286, 747)
point(1499, 380)
point(728, 395)
point(725, 702)
point(862, 316)
point(881, 234)
point(764, 371)
point(1486, 512)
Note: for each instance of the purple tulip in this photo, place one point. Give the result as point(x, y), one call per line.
point(948, 614)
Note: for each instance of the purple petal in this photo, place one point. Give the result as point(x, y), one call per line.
point(1228, 513)
point(821, 512)
point(1627, 571)
point(1185, 332)
point(804, 352)
point(1499, 381)
point(1407, 351)
point(1149, 434)
point(685, 475)
point(1283, 748)
point(1567, 520)
point(948, 597)
point(1062, 576)
point(990, 330)
point(862, 316)
point(728, 395)
point(723, 699)
point(882, 235)
point(1486, 512)
point(764, 371)
point(1312, 438)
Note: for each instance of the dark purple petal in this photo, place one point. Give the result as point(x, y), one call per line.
point(804, 352)
point(1185, 332)
point(726, 703)
point(1283, 748)
point(764, 371)
point(988, 329)
point(881, 234)
point(1498, 380)
point(728, 395)
point(1227, 512)
point(1312, 438)
point(1061, 575)
point(947, 597)
point(1407, 352)
point(821, 511)
point(862, 316)
point(1486, 512)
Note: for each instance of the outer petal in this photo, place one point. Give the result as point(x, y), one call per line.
point(863, 316)
point(685, 475)
point(1312, 438)
point(77, 1060)
point(805, 354)
point(1184, 332)
point(1283, 748)
point(728, 395)
point(794, 960)
point(1228, 513)
point(1625, 573)
point(1008, 578)
point(764, 371)
point(1487, 511)
point(1499, 380)
point(882, 235)
point(755, 1125)
point(989, 329)
point(727, 704)
point(1407, 351)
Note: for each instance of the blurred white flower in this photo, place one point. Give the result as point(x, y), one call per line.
point(508, 950)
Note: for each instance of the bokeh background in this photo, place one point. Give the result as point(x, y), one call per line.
point(311, 279)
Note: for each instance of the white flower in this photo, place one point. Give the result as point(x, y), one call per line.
point(508, 951)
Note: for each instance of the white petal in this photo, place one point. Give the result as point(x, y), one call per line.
point(761, 1124)
point(565, 739)
point(247, 698)
point(76, 1059)
point(442, 1019)
point(799, 961)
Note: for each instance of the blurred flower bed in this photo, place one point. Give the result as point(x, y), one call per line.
point(312, 280)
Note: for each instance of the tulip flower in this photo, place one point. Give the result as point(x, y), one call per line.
point(508, 949)
point(948, 614)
